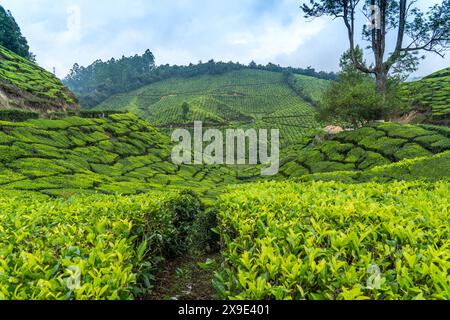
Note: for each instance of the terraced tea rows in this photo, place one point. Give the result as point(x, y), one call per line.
point(429, 169)
point(246, 98)
point(39, 88)
point(431, 92)
point(365, 149)
point(120, 154)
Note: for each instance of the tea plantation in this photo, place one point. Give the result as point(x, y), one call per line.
point(91, 207)
point(29, 86)
point(88, 247)
point(246, 98)
point(431, 92)
point(365, 149)
point(120, 154)
point(328, 240)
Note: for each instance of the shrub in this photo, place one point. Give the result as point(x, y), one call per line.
point(17, 115)
point(335, 241)
point(185, 208)
point(410, 151)
point(87, 247)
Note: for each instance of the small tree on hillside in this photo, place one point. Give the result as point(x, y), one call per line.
point(186, 109)
point(354, 98)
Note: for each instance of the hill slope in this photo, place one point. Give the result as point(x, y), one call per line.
point(365, 149)
point(245, 98)
point(120, 154)
point(125, 154)
point(118, 242)
point(25, 85)
point(432, 92)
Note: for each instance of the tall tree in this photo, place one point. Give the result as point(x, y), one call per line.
point(11, 37)
point(354, 99)
point(416, 32)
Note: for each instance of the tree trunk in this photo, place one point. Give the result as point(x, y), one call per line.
point(382, 88)
point(382, 83)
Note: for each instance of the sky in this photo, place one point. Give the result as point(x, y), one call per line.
point(64, 32)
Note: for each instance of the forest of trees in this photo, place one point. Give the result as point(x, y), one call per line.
point(11, 37)
point(100, 80)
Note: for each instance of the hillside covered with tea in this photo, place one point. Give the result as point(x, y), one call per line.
point(431, 93)
point(25, 85)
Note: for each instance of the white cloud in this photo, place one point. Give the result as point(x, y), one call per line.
point(182, 31)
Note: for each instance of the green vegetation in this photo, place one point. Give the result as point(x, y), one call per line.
point(117, 154)
point(354, 98)
point(311, 90)
point(25, 85)
point(101, 80)
point(364, 149)
point(336, 241)
point(88, 247)
point(111, 181)
point(11, 37)
point(247, 98)
point(98, 200)
point(426, 168)
point(431, 93)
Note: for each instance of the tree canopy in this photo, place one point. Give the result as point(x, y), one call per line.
point(354, 98)
point(11, 37)
point(415, 31)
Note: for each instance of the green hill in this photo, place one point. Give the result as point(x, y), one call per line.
point(24, 85)
point(120, 154)
point(433, 93)
point(245, 98)
point(365, 149)
point(100, 199)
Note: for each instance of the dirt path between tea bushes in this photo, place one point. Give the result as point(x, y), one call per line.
point(183, 279)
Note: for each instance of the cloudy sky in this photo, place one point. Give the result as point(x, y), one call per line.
point(62, 32)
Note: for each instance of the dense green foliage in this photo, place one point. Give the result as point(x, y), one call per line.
point(11, 37)
point(117, 154)
point(101, 80)
point(17, 115)
point(94, 247)
point(336, 241)
point(354, 98)
point(426, 169)
point(364, 149)
point(27, 86)
point(77, 221)
point(431, 93)
point(244, 99)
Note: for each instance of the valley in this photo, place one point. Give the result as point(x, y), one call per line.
point(118, 183)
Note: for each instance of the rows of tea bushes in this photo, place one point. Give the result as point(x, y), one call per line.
point(17, 73)
point(89, 247)
point(431, 92)
point(429, 169)
point(328, 240)
point(120, 153)
point(234, 99)
point(364, 149)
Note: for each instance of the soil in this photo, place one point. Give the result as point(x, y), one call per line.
point(183, 279)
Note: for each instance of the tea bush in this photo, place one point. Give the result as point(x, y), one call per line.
point(366, 148)
point(85, 247)
point(336, 241)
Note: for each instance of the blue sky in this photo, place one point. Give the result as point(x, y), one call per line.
point(62, 32)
